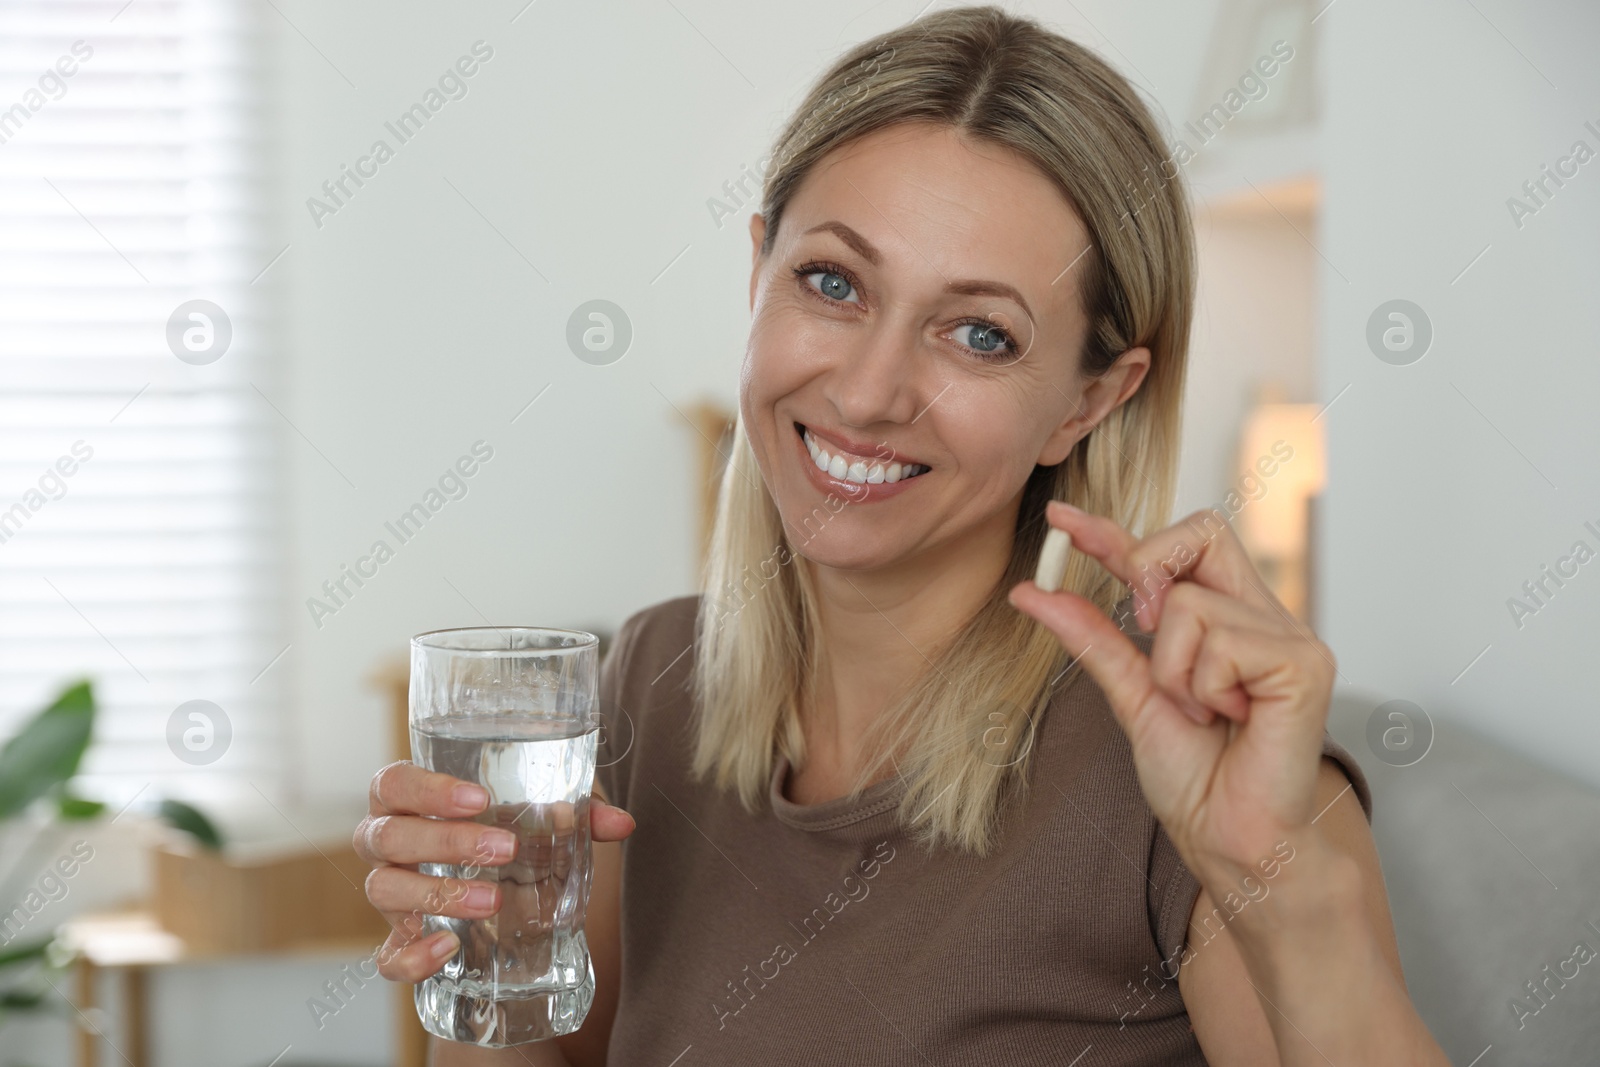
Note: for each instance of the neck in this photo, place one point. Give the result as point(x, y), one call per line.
point(883, 628)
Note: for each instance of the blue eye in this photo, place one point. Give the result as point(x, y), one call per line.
point(834, 286)
point(991, 343)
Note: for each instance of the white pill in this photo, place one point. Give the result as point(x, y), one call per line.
point(1053, 560)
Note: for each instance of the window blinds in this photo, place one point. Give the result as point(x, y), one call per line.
point(139, 542)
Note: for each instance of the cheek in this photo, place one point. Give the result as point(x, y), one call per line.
point(774, 367)
point(786, 349)
point(767, 362)
point(991, 434)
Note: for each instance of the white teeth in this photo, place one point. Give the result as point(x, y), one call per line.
point(818, 455)
point(855, 470)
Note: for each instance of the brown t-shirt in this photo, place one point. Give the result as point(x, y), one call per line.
point(818, 933)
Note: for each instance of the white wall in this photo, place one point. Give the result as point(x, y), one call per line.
point(1454, 479)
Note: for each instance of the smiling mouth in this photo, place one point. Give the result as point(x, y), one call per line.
point(848, 467)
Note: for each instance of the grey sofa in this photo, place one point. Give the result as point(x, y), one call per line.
point(1492, 864)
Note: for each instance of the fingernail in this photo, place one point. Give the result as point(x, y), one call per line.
point(480, 897)
point(471, 797)
point(501, 844)
point(1064, 506)
point(444, 944)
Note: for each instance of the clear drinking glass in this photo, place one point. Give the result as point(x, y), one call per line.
point(514, 710)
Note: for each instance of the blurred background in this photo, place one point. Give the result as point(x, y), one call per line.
point(275, 275)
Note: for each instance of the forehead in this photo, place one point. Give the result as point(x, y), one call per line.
point(941, 203)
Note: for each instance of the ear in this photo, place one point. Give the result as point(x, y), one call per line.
point(758, 231)
point(1100, 397)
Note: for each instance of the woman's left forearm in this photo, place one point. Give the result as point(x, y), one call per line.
point(1318, 966)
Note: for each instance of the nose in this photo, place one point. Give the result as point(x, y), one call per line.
point(876, 377)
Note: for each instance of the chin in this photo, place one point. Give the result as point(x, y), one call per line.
point(840, 549)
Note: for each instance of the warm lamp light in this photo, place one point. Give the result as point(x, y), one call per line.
point(1275, 524)
point(1282, 467)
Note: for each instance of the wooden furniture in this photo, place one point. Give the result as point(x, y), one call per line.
point(307, 897)
point(289, 884)
point(131, 943)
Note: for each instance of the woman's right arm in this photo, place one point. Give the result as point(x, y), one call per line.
point(398, 833)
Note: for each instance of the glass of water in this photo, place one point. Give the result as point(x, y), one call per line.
point(513, 709)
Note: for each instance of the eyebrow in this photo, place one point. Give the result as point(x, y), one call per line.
point(964, 286)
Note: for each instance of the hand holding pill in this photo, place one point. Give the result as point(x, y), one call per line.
point(1225, 713)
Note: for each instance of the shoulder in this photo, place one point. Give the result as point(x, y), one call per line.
point(672, 612)
point(667, 626)
point(639, 680)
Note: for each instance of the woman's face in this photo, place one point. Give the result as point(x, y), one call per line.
point(918, 320)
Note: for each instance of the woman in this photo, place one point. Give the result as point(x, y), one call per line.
point(883, 814)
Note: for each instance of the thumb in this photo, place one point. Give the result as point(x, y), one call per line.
point(607, 822)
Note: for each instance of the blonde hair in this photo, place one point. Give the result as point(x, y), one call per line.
point(961, 734)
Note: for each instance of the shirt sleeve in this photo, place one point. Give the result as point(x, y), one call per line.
point(1173, 889)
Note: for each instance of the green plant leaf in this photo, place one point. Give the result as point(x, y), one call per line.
point(192, 821)
point(33, 950)
point(72, 807)
point(18, 1000)
point(47, 749)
